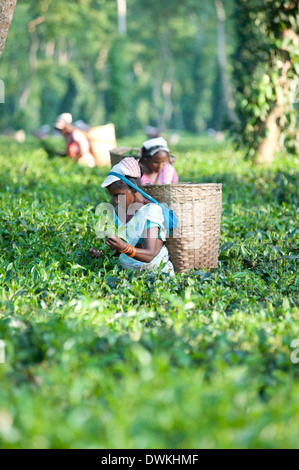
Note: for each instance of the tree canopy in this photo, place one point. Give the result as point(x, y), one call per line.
point(225, 64)
point(266, 74)
point(164, 68)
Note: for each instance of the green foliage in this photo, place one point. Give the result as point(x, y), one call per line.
point(54, 67)
point(118, 93)
point(263, 50)
point(96, 358)
point(71, 59)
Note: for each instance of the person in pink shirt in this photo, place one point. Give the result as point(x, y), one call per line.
point(156, 164)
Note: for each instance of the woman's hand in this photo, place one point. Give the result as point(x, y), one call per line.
point(94, 253)
point(115, 243)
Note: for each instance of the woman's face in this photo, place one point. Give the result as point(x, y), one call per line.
point(157, 162)
point(115, 192)
point(66, 129)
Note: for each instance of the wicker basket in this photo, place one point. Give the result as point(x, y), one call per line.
point(101, 140)
point(117, 154)
point(196, 243)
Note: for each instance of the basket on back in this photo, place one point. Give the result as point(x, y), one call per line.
point(101, 140)
point(119, 153)
point(198, 206)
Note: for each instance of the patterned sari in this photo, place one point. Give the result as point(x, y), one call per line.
point(150, 215)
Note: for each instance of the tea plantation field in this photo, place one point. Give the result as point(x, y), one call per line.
point(97, 359)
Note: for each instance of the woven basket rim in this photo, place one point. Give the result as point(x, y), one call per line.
point(183, 184)
point(121, 150)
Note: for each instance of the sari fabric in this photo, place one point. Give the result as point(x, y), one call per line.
point(135, 229)
point(167, 175)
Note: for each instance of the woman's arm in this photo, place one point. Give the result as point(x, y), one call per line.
point(151, 246)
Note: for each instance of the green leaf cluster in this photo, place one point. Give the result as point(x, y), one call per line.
point(267, 35)
point(98, 358)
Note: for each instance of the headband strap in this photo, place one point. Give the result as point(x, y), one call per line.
point(129, 183)
point(171, 219)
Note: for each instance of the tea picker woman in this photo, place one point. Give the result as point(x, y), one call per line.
point(139, 222)
point(157, 163)
point(77, 145)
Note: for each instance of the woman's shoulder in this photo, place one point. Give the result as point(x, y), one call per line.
point(79, 135)
point(153, 211)
point(166, 174)
point(145, 179)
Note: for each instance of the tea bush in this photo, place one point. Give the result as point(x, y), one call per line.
point(99, 359)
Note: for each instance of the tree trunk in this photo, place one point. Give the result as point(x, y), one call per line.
point(6, 13)
point(157, 98)
point(267, 148)
point(33, 66)
point(50, 49)
point(227, 91)
point(167, 60)
point(168, 105)
point(122, 16)
point(271, 128)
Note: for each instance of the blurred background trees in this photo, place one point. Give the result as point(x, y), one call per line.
point(189, 66)
point(266, 73)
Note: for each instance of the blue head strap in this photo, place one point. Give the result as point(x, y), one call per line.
point(171, 219)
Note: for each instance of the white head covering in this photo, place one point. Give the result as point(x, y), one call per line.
point(127, 167)
point(62, 120)
point(152, 146)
